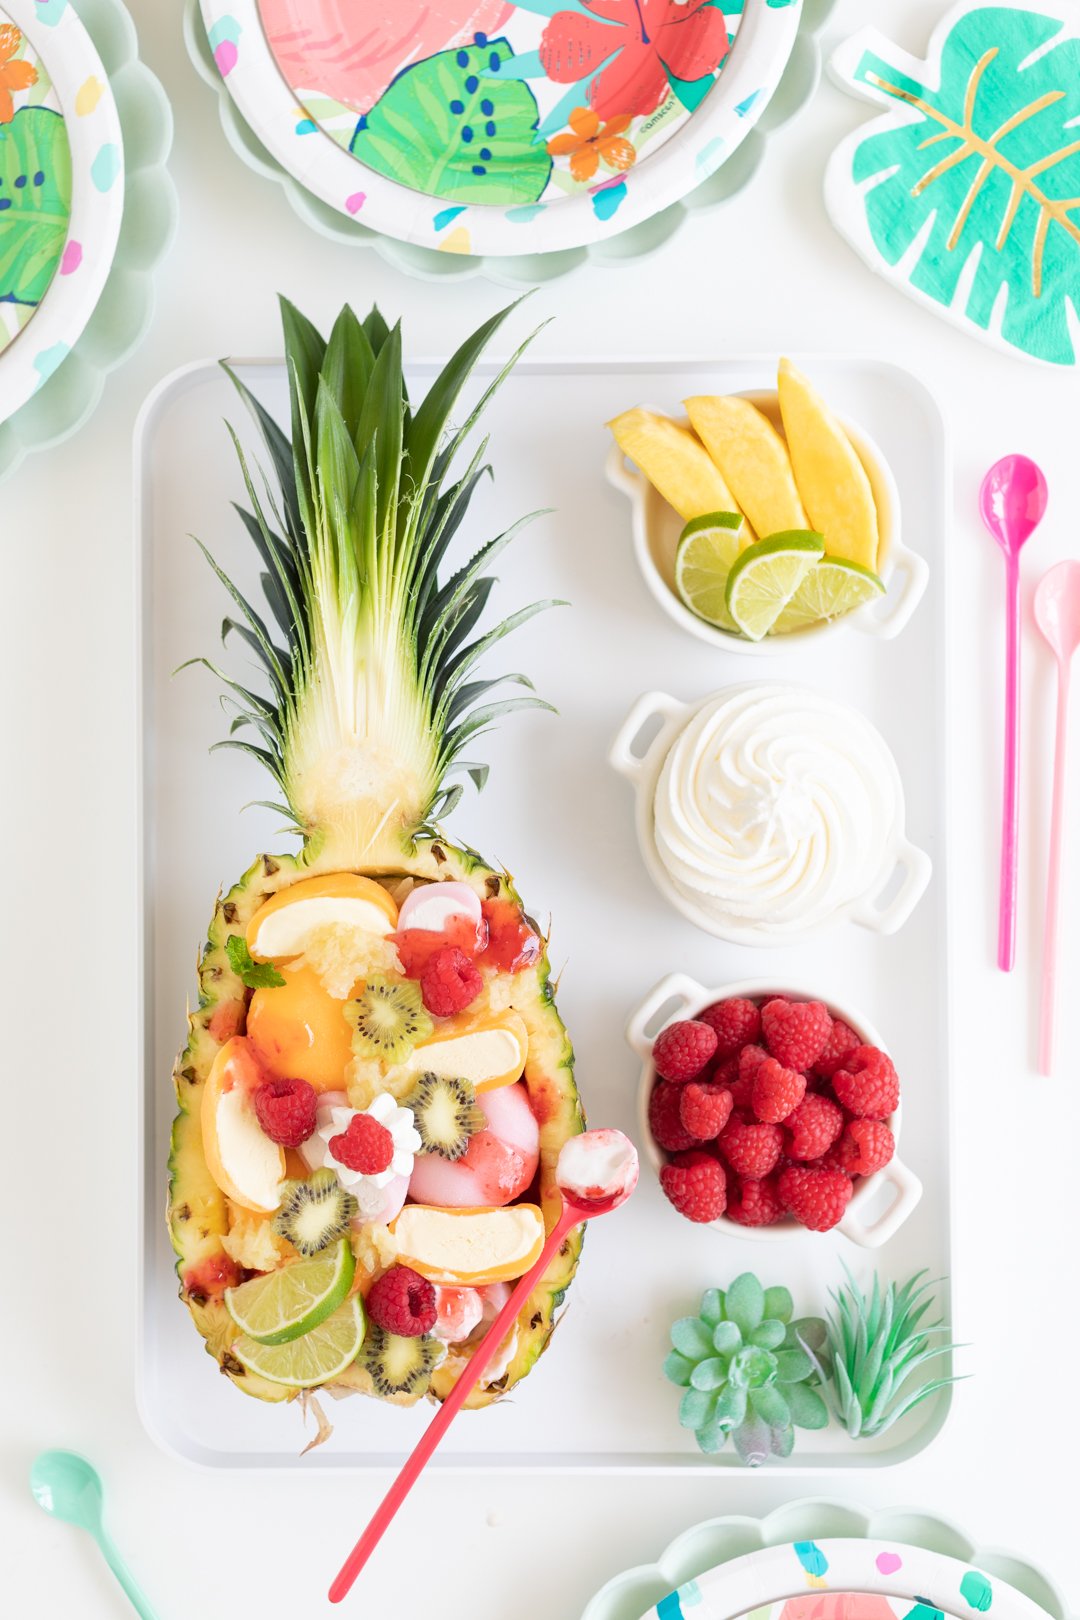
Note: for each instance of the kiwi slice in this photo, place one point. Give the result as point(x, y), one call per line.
point(399, 1366)
point(314, 1213)
point(387, 1019)
point(446, 1113)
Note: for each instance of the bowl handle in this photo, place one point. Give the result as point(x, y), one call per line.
point(650, 706)
point(620, 475)
point(912, 574)
point(886, 919)
point(677, 987)
point(907, 1190)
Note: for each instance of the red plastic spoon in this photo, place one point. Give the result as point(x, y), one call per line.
point(1012, 502)
point(597, 1172)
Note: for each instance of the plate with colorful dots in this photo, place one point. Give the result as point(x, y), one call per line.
point(817, 1560)
point(488, 127)
point(61, 190)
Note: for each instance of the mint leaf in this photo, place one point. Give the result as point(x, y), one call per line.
point(256, 975)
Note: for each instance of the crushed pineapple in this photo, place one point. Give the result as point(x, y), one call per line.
point(342, 956)
point(374, 1249)
point(252, 1242)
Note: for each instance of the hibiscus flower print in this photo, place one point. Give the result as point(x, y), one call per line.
point(590, 143)
point(14, 74)
point(627, 49)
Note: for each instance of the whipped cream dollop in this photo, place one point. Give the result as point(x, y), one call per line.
point(775, 808)
point(381, 1194)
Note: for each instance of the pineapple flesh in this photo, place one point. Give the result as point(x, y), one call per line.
point(369, 652)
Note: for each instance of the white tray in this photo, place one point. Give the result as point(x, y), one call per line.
point(562, 821)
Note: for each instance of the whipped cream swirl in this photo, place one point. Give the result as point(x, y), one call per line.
point(776, 807)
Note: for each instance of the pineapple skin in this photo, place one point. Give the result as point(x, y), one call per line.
point(197, 1209)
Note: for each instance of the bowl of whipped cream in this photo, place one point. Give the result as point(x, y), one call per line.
point(880, 1203)
point(767, 811)
point(656, 528)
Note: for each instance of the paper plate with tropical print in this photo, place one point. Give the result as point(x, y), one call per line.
point(495, 127)
point(61, 190)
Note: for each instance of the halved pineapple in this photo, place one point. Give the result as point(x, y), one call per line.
point(369, 705)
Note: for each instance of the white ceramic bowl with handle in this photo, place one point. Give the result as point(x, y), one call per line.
point(643, 769)
point(680, 996)
point(656, 529)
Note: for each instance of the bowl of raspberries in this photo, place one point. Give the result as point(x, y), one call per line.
point(766, 1111)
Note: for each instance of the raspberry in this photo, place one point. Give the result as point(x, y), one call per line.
point(871, 1146)
point(681, 1051)
point(756, 1202)
point(704, 1108)
point(795, 1031)
point(816, 1197)
point(841, 1043)
point(868, 1084)
point(667, 1129)
point(814, 1126)
point(725, 1072)
point(737, 1023)
point(695, 1183)
point(742, 1088)
point(286, 1110)
point(449, 982)
point(365, 1146)
point(750, 1148)
point(776, 1091)
point(403, 1302)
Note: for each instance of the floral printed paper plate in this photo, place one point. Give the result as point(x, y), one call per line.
point(494, 128)
point(82, 162)
point(819, 1560)
point(61, 190)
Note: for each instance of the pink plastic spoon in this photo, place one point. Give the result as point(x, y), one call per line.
point(1012, 501)
point(597, 1172)
point(1057, 614)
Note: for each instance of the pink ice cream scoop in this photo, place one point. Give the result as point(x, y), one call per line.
point(350, 50)
point(498, 1165)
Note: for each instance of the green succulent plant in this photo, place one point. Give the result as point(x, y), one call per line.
point(877, 1343)
point(747, 1369)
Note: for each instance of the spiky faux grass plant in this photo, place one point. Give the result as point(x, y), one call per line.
point(878, 1343)
point(370, 701)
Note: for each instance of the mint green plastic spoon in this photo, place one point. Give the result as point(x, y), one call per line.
point(69, 1488)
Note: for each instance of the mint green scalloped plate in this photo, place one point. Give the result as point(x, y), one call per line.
point(632, 1594)
point(799, 80)
point(124, 309)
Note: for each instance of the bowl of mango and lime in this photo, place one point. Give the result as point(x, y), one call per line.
point(762, 519)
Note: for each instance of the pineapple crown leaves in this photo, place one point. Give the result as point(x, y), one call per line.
point(367, 653)
point(878, 1342)
point(747, 1368)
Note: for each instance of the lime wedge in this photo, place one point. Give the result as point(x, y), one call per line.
point(316, 1358)
point(834, 587)
point(765, 577)
point(707, 548)
point(286, 1304)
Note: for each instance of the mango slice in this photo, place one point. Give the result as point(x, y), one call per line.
point(674, 461)
point(752, 458)
point(830, 476)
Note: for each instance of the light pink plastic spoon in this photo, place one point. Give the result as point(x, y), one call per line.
point(1057, 613)
point(597, 1172)
point(1012, 501)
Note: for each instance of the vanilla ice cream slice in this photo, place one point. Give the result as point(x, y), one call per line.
point(471, 1246)
point(488, 1051)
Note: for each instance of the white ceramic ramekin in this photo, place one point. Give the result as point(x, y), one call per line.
point(679, 996)
point(643, 769)
point(656, 529)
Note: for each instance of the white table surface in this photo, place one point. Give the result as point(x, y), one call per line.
point(765, 273)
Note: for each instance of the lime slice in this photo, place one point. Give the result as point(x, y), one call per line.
point(316, 1358)
point(833, 588)
point(285, 1304)
point(707, 548)
point(766, 576)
